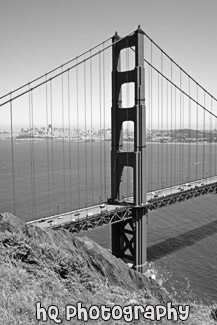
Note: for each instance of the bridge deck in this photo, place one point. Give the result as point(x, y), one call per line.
point(97, 215)
point(78, 215)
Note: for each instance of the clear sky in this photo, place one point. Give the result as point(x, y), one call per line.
point(38, 35)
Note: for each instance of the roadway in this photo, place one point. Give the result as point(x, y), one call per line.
point(180, 188)
point(104, 208)
point(175, 189)
point(76, 215)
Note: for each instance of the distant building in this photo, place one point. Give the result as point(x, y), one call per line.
point(49, 130)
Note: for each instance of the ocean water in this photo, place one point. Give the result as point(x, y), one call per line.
point(58, 176)
point(182, 242)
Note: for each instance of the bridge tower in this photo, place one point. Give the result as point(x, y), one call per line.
point(129, 235)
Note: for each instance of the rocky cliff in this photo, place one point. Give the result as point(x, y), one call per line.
point(56, 268)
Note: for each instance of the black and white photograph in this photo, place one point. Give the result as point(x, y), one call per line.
point(108, 162)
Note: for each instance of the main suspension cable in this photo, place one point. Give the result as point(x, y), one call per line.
point(162, 51)
point(55, 69)
point(62, 72)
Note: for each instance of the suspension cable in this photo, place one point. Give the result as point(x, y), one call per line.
point(69, 138)
point(53, 70)
point(30, 144)
point(51, 118)
point(183, 92)
point(204, 116)
point(105, 169)
point(62, 72)
point(63, 134)
point(47, 143)
point(171, 105)
point(33, 154)
point(162, 106)
point(158, 126)
point(180, 146)
point(182, 118)
point(12, 157)
point(210, 144)
point(91, 123)
point(78, 138)
point(175, 149)
point(215, 143)
point(189, 132)
point(179, 66)
point(85, 130)
point(177, 87)
point(167, 117)
point(197, 137)
point(100, 123)
point(151, 105)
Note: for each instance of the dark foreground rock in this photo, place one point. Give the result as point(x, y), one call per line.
point(55, 267)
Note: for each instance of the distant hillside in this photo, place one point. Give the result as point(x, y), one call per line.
point(56, 268)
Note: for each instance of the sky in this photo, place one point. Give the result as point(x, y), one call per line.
point(38, 35)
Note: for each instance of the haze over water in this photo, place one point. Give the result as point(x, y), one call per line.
point(182, 239)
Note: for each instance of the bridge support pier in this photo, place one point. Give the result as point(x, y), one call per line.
point(129, 237)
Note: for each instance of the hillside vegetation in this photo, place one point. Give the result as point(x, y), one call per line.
point(57, 268)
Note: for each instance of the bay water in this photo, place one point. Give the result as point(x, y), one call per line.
point(55, 176)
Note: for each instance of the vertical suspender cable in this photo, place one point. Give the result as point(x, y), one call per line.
point(47, 142)
point(78, 136)
point(180, 155)
point(12, 154)
point(52, 158)
point(105, 169)
point(91, 124)
point(197, 137)
point(210, 144)
point(171, 145)
point(215, 143)
point(158, 131)
point(30, 144)
point(182, 136)
point(63, 134)
point(51, 71)
point(183, 126)
point(85, 131)
point(151, 111)
point(162, 106)
point(33, 155)
point(167, 118)
point(189, 132)
point(69, 138)
point(175, 147)
point(100, 122)
point(204, 116)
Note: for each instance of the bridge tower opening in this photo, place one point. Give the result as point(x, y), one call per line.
point(129, 237)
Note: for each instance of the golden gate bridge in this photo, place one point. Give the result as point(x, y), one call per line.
point(117, 131)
